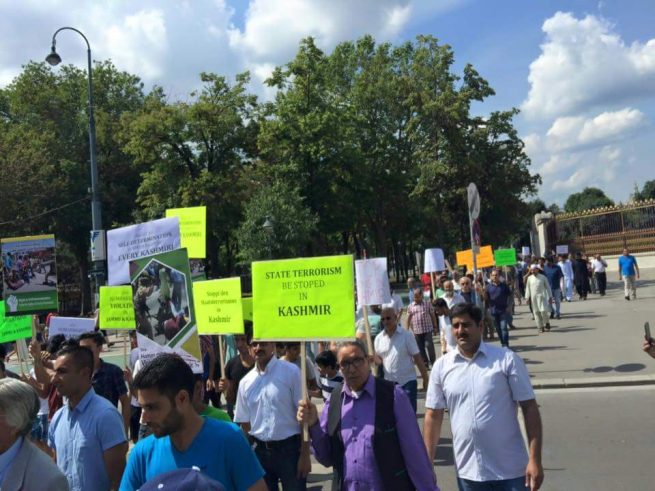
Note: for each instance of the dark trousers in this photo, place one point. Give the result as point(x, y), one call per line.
point(135, 417)
point(601, 282)
point(280, 462)
point(422, 340)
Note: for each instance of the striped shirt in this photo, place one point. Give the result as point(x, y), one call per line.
point(421, 320)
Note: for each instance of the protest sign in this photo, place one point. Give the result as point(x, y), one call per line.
point(372, 281)
point(165, 316)
point(70, 327)
point(434, 261)
point(484, 259)
point(14, 327)
point(136, 241)
point(304, 298)
point(30, 274)
point(505, 257)
point(562, 249)
point(193, 229)
point(525, 251)
point(116, 307)
point(218, 306)
point(246, 304)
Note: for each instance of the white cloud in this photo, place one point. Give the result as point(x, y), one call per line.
point(584, 63)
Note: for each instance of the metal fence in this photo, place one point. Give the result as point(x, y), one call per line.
point(606, 231)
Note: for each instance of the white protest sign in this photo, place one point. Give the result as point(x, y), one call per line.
point(562, 249)
point(434, 261)
point(70, 327)
point(525, 251)
point(126, 244)
point(372, 281)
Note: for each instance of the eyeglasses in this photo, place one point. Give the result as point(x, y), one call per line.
point(354, 363)
point(387, 318)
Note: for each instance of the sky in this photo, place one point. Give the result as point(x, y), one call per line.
point(582, 72)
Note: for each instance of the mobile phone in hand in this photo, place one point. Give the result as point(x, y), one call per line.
point(647, 332)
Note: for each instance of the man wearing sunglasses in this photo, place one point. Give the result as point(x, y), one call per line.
point(367, 431)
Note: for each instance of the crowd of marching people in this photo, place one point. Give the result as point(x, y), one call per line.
point(70, 422)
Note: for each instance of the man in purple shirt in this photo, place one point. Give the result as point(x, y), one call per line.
point(368, 431)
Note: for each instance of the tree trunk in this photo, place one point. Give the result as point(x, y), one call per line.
point(212, 256)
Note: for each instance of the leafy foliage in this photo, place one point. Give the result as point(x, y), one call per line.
point(586, 199)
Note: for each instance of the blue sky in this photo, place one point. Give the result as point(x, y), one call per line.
point(582, 71)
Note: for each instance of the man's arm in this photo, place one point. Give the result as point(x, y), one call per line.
point(307, 413)
point(534, 472)
point(418, 361)
point(637, 268)
point(432, 430)
point(620, 275)
point(114, 458)
point(433, 318)
point(126, 410)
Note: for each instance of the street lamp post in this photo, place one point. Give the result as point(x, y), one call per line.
point(269, 230)
point(97, 234)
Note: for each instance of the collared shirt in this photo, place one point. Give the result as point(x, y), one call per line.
point(599, 266)
point(268, 400)
point(446, 332)
point(554, 275)
point(482, 395)
point(109, 382)
point(499, 296)
point(360, 470)
point(7, 458)
point(456, 299)
point(421, 321)
point(397, 352)
point(80, 436)
point(627, 265)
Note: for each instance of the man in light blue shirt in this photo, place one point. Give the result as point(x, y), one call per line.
point(87, 433)
point(627, 268)
point(481, 385)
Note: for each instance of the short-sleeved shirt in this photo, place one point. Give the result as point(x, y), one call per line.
point(109, 382)
point(219, 450)
point(215, 413)
point(421, 321)
point(397, 352)
point(482, 395)
point(268, 400)
point(627, 265)
point(80, 436)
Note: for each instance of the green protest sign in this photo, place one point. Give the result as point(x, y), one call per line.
point(116, 307)
point(193, 229)
point(305, 298)
point(505, 257)
point(218, 306)
point(246, 302)
point(14, 327)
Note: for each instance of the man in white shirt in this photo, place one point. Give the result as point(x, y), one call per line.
point(567, 270)
point(267, 403)
point(451, 297)
point(599, 266)
point(481, 386)
point(396, 350)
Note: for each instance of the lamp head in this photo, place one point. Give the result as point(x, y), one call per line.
point(268, 226)
point(53, 58)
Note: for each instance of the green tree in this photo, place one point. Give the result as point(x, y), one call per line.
point(647, 191)
point(587, 199)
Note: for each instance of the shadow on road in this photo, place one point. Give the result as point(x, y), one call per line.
point(534, 347)
point(625, 368)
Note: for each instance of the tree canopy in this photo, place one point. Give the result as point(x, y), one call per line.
point(586, 199)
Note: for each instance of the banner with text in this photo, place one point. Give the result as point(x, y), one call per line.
point(30, 275)
point(218, 306)
point(484, 259)
point(126, 244)
point(193, 229)
point(163, 306)
point(372, 281)
point(70, 327)
point(14, 327)
point(116, 307)
point(505, 257)
point(304, 298)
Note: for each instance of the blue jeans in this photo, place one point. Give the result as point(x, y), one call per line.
point(516, 484)
point(411, 389)
point(557, 295)
point(280, 462)
point(500, 323)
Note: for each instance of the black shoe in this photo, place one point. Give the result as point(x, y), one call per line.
point(552, 315)
point(558, 317)
point(627, 298)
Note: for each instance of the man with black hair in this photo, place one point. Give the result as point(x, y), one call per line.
point(86, 434)
point(108, 379)
point(181, 437)
point(326, 361)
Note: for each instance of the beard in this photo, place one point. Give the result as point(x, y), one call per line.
point(172, 422)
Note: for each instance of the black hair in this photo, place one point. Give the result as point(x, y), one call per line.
point(95, 336)
point(327, 359)
point(55, 343)
point(168, 373)
point(3, 351)
point(292, 345)
point(247, 330)
point(82, 357)
point(440, 303)
point(2, 365)
point(473, 311)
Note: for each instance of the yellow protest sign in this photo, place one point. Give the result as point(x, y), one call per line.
point(116, 307)
point(218, 306)
point(193, 229)
point(247, 308)
point(305, 298)
point(484, 259)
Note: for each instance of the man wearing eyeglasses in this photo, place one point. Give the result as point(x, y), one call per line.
point(481, 386)
point(396, 350)
point(367, 431)
point(267, 402)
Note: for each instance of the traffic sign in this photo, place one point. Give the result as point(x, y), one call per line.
point(474, 200)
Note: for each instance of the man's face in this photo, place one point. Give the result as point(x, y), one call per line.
point(448, 288)
point(95, 349)
point(159, 412)
point(410, 283)
point(388, 318)
point(465, 284)
point(354, 366)
point(467, 332)
point(494, 276)
point(241, 343)
point(68, 377)
point(262, 351)
point(292, 353)
point(418, 296)
point(625, 251)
